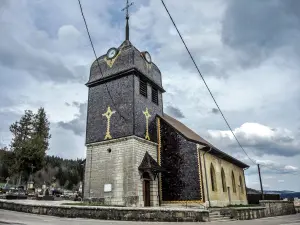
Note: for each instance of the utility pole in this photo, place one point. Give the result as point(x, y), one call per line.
point(261, 187)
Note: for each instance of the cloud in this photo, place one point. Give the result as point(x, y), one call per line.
point(78, 124)
point(214, 110)
point(260, 29)
point(291, 168)
point(260, 139)
point(270, 168)
point(174, 111)
point(280, 181)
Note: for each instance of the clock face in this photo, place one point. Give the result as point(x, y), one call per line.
point(148, 57)
point(111, 53)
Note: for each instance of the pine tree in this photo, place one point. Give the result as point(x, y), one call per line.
point(22, 134)
point(41, 136)
point(30, 141)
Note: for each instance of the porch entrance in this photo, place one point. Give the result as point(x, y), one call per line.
point(146, 187)
point(146, 193)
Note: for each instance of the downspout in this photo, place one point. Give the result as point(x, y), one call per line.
point(207, 192)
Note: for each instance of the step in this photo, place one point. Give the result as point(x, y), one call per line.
point(223, 220)
point(219, 218)
point(215, 216)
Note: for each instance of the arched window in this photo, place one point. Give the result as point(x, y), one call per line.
point(213, 178)
point(241, 185)
point(223, 180)
point(233, 182)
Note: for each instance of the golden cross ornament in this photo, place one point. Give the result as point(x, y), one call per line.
point(147, 115)
point(108, 115)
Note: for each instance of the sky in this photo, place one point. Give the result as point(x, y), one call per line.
point(247, 51)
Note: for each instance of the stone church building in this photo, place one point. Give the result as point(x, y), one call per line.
point(139, 156)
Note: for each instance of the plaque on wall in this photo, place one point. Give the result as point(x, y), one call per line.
point(107, 187)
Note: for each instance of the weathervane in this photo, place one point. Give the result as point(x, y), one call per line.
point(127, 18)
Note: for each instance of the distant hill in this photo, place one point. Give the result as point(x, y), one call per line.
point(283, 194)
point(252, 191)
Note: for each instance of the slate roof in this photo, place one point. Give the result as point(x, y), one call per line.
point(148, 163)
point(194, 137)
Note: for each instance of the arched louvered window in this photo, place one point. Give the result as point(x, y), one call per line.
point(223, 180)
point(213, 178)
point(233, 182)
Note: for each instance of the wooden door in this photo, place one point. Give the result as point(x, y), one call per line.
point(146, 193)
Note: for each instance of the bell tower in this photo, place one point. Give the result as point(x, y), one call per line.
point(125, 96)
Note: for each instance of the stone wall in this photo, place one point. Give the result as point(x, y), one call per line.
point(220, 197)
point(244, 213)
point(297, 208)
point(278, 207)
point(267, 209)
point(111, 213)
point(116, 162)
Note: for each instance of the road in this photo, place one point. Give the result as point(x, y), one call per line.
point(16, 218)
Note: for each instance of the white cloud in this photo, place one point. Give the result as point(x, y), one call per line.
point(260, 139)
point(292, 168)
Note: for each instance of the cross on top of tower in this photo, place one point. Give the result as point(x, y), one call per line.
point(127, 8)
point(127, 18)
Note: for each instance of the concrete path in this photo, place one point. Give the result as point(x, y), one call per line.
point(16, 218)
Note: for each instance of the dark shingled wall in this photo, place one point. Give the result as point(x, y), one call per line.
point(121, 91)
point(131, 105)
point(141, 103)
point(179, 157)
point(126, 99)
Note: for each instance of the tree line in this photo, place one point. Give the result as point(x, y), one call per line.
point(26, 158)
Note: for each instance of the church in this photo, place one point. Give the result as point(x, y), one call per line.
point(137, 155)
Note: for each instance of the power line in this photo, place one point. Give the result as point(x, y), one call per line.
point(205, 82)
point(87, 29)
point(191, 56)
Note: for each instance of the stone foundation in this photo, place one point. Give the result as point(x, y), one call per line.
point(115, 162)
